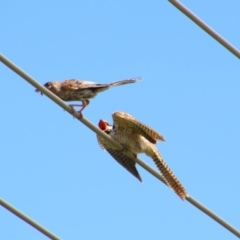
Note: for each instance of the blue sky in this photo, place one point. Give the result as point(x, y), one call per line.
point(52, 168)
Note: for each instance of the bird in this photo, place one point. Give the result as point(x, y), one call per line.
point(128, 163)
point(137, 137)
point(81, 90)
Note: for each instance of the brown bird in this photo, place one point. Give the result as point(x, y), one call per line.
point(137, 138)
point(79, 90)
point(119, 156)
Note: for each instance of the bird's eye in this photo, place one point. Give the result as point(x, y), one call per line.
point(47, 85)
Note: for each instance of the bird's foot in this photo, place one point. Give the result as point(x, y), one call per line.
point(80, 114)
point(72, 108)
point(125, 149)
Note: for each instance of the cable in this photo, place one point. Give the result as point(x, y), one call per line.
point(205, 27)
point(61, 103)
point(28, 220)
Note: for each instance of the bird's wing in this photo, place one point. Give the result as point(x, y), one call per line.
point(108, 85)
point(74, 84)
point(121, 158)
point(71, 84)
point(124, 120)
point(99, 139)
point(125, 161)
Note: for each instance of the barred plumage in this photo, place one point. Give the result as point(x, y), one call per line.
point(119, 156)
point(168, 175)
point(138, 138)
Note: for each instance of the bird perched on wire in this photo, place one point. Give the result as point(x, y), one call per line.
point(80, 90)
point(137, 138)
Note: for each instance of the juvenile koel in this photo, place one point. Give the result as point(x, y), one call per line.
point(137, 138)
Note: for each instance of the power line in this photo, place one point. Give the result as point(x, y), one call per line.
point(205, 27)
point(87, 123)
point(28, 220)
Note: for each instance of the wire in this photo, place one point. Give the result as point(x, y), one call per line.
point(28, 220)
point(61, 103)
point(205, 27)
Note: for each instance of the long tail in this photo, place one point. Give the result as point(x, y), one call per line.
point(123, 82)
point(168, 175)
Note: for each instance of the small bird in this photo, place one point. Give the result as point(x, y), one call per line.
point(80, 90)
point(137, 138)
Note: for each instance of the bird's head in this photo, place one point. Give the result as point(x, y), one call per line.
point(49, 86)
point(105, 126)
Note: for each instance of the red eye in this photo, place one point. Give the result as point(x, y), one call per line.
point(102, 125)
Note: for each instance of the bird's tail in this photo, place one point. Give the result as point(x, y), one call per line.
point(123, 82)
point(168, 175)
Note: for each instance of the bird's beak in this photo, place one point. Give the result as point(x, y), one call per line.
point(102, 125)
